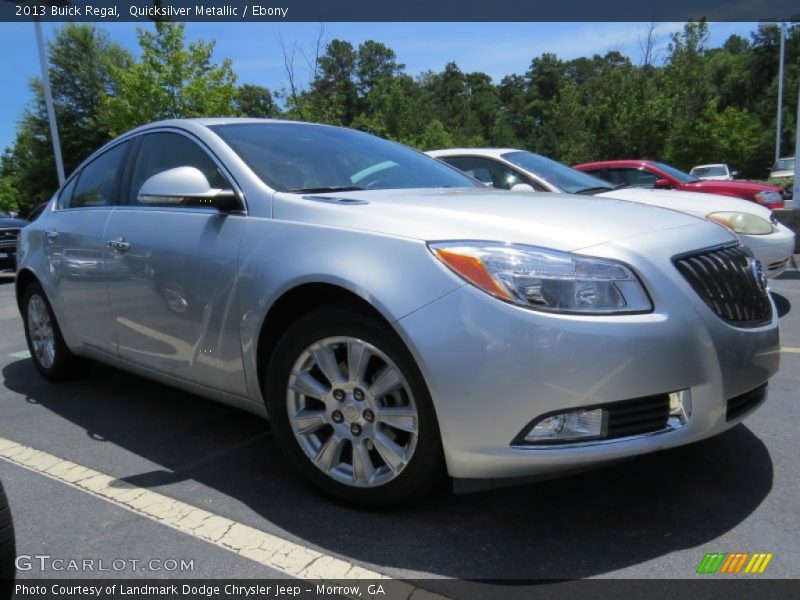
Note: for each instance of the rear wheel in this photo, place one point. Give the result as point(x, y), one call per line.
point(351, 409)
point(50, 354)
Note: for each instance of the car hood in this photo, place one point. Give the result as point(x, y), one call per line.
point(559, 221)
point(8, 223)
point(734, 186)
point(694, 203)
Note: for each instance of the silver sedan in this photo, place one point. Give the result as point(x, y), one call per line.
point(394, 319)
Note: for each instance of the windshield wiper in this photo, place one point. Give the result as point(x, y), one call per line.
point(595, 190)
point(325, 190)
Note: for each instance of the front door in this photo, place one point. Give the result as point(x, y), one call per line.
point(175, 307)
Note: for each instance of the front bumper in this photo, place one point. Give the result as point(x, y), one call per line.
point(492, 367)
point(773, 250)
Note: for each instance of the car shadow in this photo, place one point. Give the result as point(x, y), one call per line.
point(578, 526)
point(782, 304)
point(788, 275)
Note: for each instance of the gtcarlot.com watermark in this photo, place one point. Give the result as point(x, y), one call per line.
point(46, 562)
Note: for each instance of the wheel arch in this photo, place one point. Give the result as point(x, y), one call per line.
point(297, 301)
point(24, 278)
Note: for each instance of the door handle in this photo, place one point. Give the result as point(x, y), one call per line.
point(119, 244)
point(51, 235)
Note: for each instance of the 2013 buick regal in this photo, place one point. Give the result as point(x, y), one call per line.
point(396, 320)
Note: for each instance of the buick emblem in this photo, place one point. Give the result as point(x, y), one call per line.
point(758, 274)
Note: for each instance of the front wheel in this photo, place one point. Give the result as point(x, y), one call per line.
point(351, 410)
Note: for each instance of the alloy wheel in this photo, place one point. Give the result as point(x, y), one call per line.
point(352, 411)
point(41, 331)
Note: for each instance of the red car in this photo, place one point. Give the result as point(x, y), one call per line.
point(651, 174)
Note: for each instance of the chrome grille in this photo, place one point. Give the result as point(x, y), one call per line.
point(729, 282)
point(8, 238)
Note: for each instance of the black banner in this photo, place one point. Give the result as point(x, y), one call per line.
point(707, 588)
point(397, 11)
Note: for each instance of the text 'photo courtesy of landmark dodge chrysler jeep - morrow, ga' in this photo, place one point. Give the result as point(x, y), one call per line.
point(396, 320)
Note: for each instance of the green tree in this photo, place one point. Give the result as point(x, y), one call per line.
point(170, 80)
point(375, 62)
point(82, 62)
point(334, 97)
point(254, 101)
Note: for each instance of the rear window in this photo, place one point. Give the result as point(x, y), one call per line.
point(97, 181)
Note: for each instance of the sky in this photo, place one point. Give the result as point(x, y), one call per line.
point(498, 49)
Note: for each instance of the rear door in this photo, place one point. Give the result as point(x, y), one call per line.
point(174, 303)
point(74, 247)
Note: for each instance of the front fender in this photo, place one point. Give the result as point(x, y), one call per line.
point(395, 275)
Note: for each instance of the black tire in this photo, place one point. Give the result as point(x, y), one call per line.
point(424, 470)
point(7, 548)
point(64, 360)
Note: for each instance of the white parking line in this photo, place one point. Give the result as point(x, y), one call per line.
point(270, 550)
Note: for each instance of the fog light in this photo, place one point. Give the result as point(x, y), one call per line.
point(576, 425)
point(680, 408)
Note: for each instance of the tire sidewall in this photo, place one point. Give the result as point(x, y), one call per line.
point(426, 464)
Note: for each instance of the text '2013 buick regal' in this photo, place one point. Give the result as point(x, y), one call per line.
point(397, 321)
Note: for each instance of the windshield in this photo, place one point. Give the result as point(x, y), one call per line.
point(784, 164)
point(557, 174)
point(712, 171)
point(675, 173)
point(301, 157)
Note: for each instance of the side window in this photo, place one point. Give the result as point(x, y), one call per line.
point(65, 196)
point(96, 183)
point(601, 173)
point(163, 151)
point(632, 177)
point(487, 170)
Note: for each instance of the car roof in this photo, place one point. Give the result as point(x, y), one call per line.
point(211, 121)
point(495, 152)
point(617, 163)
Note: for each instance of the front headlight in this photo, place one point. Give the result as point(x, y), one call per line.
point(769, 197)
point(742, 223)
point(544, 279)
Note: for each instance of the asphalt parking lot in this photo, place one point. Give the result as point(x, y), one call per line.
point(655, 516)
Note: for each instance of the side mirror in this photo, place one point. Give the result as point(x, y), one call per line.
point(184, 185)
point(522, 187)
point(662, 184)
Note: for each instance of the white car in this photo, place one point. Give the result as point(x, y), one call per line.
point(715, 172)
point(783, 168)
point(508, 168)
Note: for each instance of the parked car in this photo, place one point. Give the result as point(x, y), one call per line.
point(411, 325)
point(771, 242)
point(651, 174)
point(715, 172)
point(783, 168)
point(9, 230)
